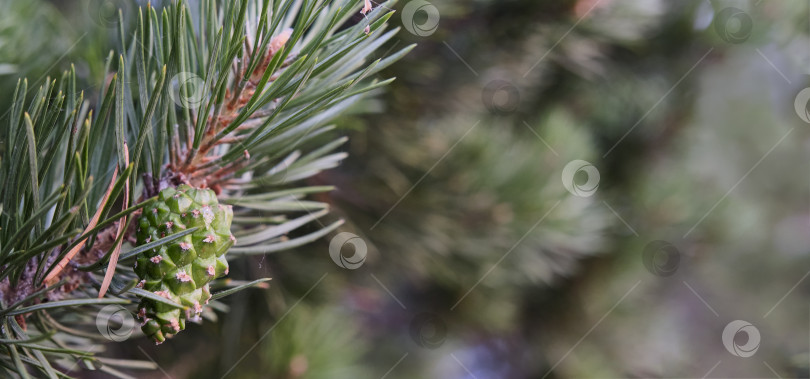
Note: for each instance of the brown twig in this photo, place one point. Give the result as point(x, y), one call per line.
point(194, 165)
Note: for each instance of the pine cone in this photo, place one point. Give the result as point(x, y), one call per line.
point(181, 270)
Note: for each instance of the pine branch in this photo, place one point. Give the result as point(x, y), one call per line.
point(226, 95)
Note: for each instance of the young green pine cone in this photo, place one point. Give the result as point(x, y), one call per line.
point(181, 270)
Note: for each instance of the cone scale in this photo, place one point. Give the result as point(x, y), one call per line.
point(181, 270)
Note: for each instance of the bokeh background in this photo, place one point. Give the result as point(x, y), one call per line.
point(550, 189)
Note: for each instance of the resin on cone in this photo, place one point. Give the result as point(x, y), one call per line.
point(181, 270)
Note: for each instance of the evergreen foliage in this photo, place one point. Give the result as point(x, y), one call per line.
point(226, 95)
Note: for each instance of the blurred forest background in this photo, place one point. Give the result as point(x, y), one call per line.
point(481, 263)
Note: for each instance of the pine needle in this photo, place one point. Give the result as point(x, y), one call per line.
point(53, 276)
point(121, 226)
